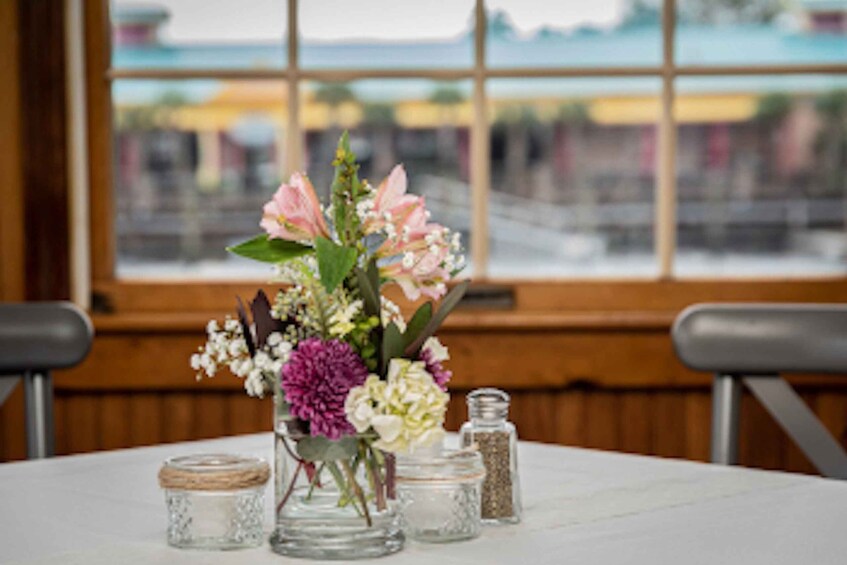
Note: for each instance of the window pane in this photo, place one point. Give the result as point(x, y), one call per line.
point(199, 34)
point(751, 32)
point(762, 167)
point(386, 34)
point(600, 33)
point(194, 163)
point(573, 166)
point(422, 124)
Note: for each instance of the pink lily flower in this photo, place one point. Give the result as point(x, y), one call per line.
point(294, 212)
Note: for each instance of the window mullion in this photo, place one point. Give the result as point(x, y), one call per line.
point(479, 152)
point(292, 131)
point(665, 225)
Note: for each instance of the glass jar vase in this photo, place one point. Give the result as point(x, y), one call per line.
point(440, 496)
point(342, 507)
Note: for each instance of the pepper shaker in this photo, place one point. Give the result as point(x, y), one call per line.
point(497, 440)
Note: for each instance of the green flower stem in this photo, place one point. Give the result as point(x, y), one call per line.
point(357, 490)
point(346, 496)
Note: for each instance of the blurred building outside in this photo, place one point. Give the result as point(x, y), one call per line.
point(761, 159)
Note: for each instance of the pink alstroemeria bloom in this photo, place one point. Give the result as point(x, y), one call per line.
point(392, 190)
point(392, 205)
point(419, 268)
point(294, 212)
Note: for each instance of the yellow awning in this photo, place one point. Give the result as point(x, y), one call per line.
point(700, 108)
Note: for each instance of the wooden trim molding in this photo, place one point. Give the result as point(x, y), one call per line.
point(98, 93)
point(12, 278)
point(587, 296)
point(44, 143)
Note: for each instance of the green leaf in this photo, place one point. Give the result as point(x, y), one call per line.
point(417, 323)
point(334, 262)
point(447, 304)
point(262, 248)
point(392, 344)
point(319, 448)
point(369, 290)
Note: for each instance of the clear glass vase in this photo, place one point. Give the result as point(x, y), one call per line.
point(339, 509)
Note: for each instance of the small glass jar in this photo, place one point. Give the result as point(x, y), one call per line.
point(440, 495)
point(215, 501)
point(497, 441)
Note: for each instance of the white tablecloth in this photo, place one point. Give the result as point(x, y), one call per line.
point(581, 507)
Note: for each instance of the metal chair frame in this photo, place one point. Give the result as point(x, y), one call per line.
point(27, 354)
point(732, 342)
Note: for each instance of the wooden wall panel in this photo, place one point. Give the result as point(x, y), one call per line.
point(12, 427)
point(570, 417)
point(637, 420)
point(145, 413)
point(698, 415)
point(81, 422)
point(178, 415)
point(113, 422)
point(105, 403)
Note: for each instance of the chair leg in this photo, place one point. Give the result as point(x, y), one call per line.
point(7, 385)
point(726, 406)
point(798, 420)
point(38, 390)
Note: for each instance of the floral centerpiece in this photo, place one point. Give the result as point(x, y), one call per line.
point(354, 382)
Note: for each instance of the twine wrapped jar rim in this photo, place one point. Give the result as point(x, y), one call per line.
point(213, 472)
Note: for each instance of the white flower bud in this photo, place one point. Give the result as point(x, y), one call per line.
point(274, 339)
point(261, 360)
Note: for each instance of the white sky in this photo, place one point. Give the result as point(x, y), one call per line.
point(326, 20)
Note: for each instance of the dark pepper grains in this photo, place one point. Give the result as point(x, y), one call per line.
point(497, 496)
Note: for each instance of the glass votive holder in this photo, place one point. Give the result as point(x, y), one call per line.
point(440, 495)
point(215, 501)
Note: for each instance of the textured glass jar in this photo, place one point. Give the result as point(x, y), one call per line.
point(215, 501)
point(312, 521)
point(497, 441)
point(440, 496)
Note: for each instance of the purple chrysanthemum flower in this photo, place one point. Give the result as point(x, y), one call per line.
point(316, 380)
point(440, 375)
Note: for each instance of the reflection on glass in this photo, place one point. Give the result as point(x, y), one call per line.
point(422, 124)
point(548, 33)
point(572, 177)
point(386, 34)
point(198, 34)
point(194, 163)
point(751, 32)
point(762, 175)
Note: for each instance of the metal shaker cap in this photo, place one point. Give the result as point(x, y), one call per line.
point(488, 404)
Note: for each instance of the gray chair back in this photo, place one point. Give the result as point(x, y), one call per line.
point(36, 338)
point(751, 345)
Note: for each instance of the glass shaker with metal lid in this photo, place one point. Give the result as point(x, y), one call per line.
point(497, 441)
